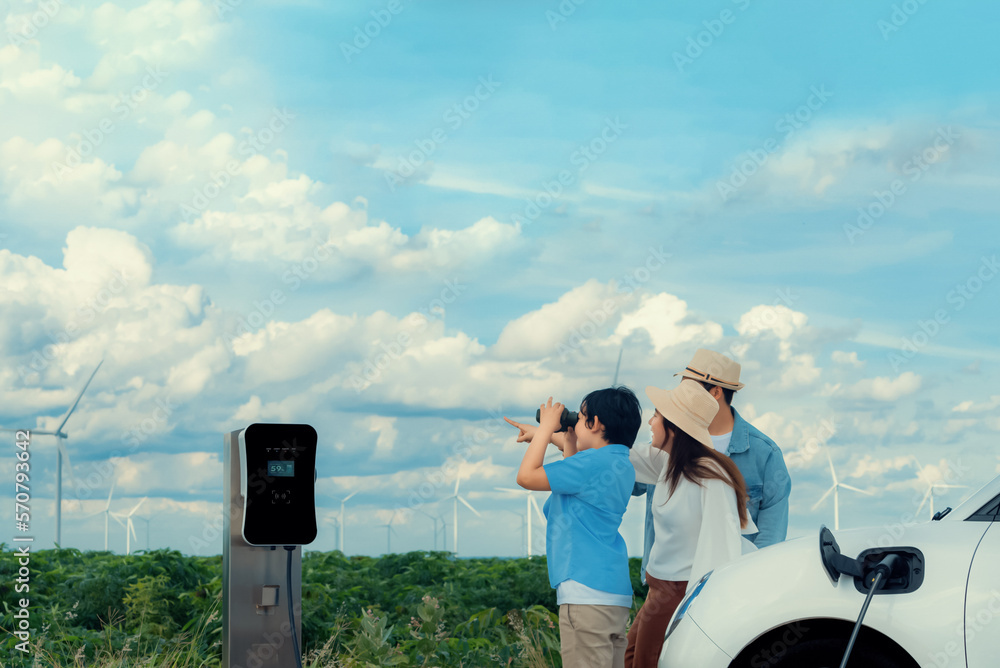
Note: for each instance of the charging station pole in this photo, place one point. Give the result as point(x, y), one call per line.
point(255, 628)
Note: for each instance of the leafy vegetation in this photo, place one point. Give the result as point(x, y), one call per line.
point(162, 609)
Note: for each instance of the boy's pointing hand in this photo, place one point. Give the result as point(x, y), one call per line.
point(526, 431)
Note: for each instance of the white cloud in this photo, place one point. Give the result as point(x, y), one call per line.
point(847, 359)
point(539, 332)
point(36, 186)
point(872, 466)
point(385, 427)
point(668, 323)
point(973, 407)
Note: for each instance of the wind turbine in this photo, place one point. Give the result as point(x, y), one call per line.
point(836, 493)
point(61, 452)
point(435, 521)
point(457, 498)
point(529, 502)
point(931, 486)
point(129, 527)
point(388, 533)
point(340, 518)
point(107, 514)
point(146, 520)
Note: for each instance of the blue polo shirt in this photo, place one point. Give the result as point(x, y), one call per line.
point(590, 492)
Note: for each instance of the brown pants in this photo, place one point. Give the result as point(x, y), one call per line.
point(645, 638)
point(592, 636)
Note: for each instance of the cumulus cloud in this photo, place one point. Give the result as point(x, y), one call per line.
point(873, 466)
point(278, 220)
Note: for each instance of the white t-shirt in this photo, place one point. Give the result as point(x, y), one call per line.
point(697, 528)
point(721, 443)
point(573, 592)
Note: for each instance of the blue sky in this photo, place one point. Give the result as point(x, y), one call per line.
point(240, 211)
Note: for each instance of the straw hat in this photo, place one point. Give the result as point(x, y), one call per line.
point(708, 366)
point(689, 406)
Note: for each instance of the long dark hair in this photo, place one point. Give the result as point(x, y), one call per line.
point(688, 459)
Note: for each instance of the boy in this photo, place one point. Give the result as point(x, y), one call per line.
point(591, 486)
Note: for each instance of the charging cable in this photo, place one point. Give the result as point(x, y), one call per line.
point(291, 613)
point(882, 571)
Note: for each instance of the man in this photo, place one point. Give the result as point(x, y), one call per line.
point(757, 457)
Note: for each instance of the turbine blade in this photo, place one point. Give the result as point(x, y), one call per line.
point(941, 485)
point(855, 489)
point(823, 498)
point(927, 495)
point(347, 498)
point(618, 366)
point(469, 506)
point(534, 504)
point(511, 489)
point(142, 501)
point(131, 528)
point(77, 401)
point(833, 471)
point(117, 518)
point(108, 507)
point(458, 479)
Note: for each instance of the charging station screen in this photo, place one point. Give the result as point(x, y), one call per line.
point(280, 469)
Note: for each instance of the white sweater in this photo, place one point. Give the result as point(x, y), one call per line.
point(697, 528)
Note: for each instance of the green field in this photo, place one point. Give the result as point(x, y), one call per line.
point(162, 609)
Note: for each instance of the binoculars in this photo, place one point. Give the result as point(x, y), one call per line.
point(566, 421)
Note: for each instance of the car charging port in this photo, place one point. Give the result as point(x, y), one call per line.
point(891, 570)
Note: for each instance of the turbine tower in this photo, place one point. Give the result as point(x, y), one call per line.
point(107, 514)
point(388, 533)
point(61, 452)
point(456, 498)
point(529, 502)
point(836, 492)
point(340, 519)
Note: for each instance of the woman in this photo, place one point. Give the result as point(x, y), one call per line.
point(699, 509)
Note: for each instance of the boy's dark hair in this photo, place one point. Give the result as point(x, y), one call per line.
point(727, 394)
point(619, 411)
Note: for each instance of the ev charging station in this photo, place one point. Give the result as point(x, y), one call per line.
point(269, 477)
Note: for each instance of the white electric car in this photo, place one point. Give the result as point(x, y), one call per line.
point(795, 604)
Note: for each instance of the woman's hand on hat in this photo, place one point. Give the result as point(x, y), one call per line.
point(551, 416)
point(525, 431)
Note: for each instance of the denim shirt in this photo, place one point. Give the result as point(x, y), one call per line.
point(768, 483)
point(768, 486)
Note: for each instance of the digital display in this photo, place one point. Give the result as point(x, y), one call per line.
point(281, 469)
